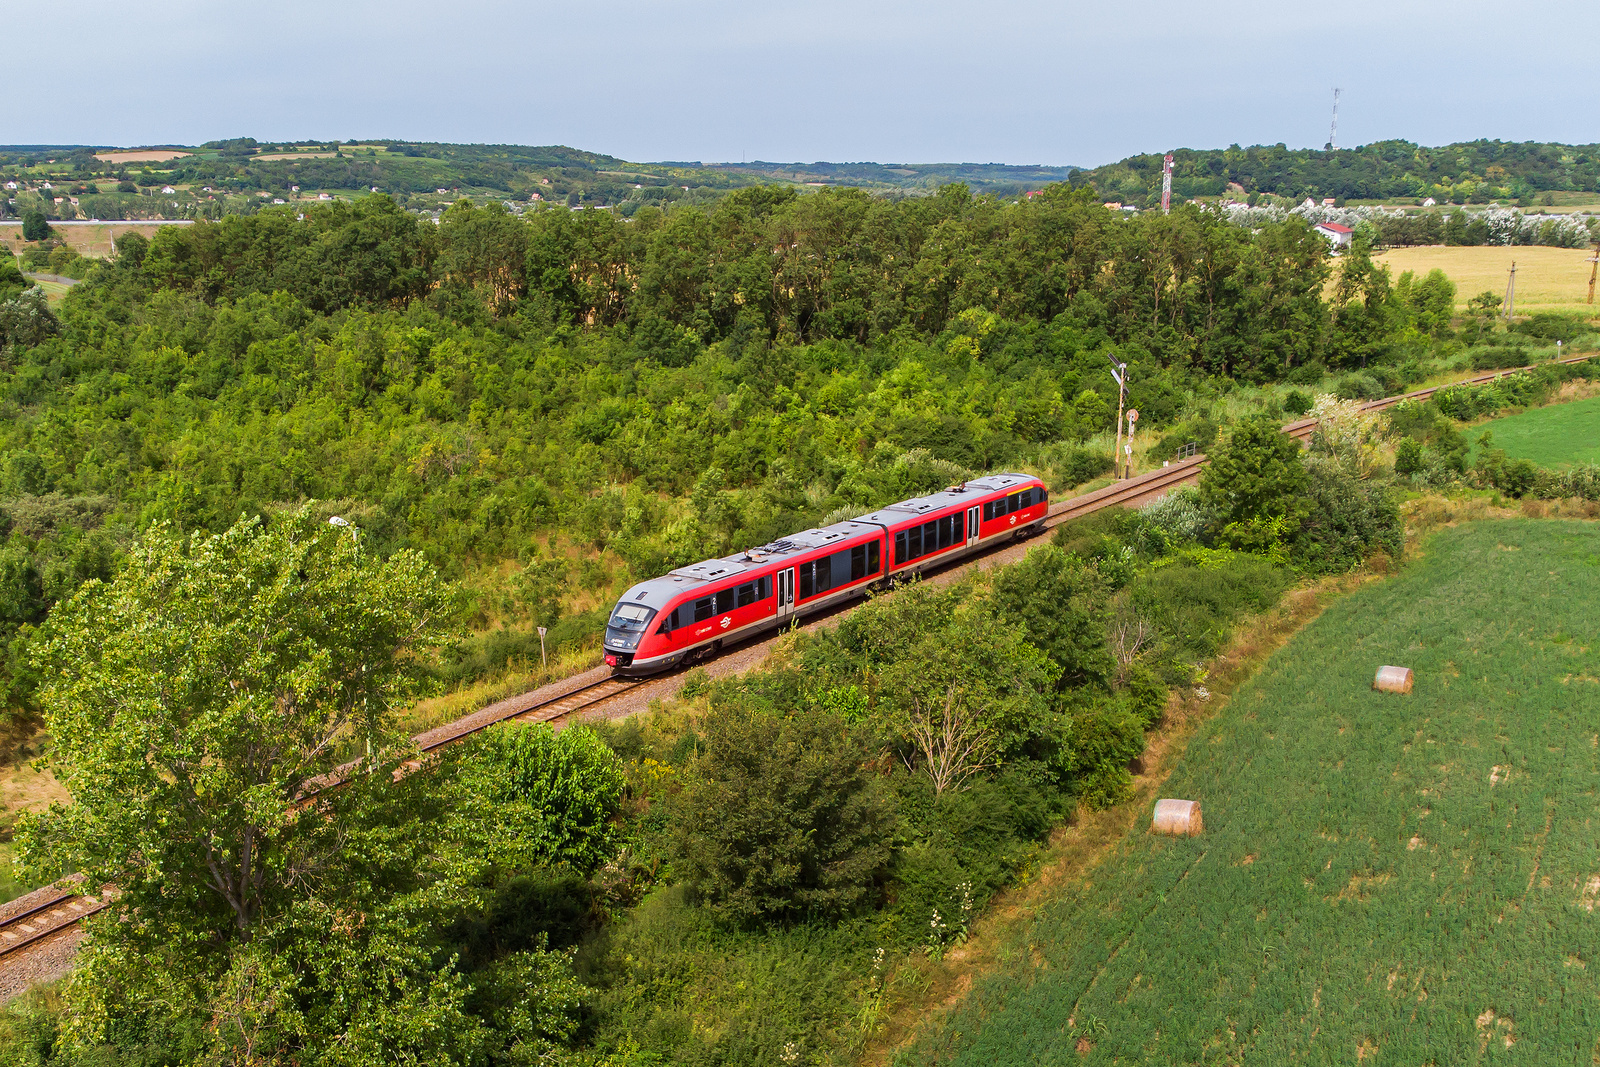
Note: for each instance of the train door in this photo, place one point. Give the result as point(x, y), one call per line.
point(972, 525)
point(785, 592)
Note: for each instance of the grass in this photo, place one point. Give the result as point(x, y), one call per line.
point(1548, 279)
point(1557, 435)
point(1409, 878)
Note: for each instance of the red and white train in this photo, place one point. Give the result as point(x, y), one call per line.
point(693, 610)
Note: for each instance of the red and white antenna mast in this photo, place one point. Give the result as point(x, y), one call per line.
point(1166, 184)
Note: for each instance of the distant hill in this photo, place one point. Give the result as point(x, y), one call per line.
point(1470, 172)
point(241, 175)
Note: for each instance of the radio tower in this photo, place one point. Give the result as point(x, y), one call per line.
point(1333, 129)
point(1166, 184)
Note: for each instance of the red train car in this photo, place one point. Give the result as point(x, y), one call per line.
point(694, 610)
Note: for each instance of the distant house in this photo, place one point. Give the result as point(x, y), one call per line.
point(44, 185)
point(167, 190)
point(1309, 203)
point(277, 200)
point(374, 188)
point(1430, 202)
point(1327, 201)
point(1113, 205)
point(1338, 235)
point(536, 196)
point(11, 185)
point(294, 188)
point(324, 196)
point(441, 192)
point(1031, 193)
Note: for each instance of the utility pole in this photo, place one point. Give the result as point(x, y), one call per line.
point(1511, 292)
point(1119, 371)
point(1333, 129)
point(1166, 184)
point(544, 660)
point(1595, 259)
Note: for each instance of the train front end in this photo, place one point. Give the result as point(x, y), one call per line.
point(634, 643)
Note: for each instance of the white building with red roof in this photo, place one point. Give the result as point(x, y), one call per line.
point(1339, 235)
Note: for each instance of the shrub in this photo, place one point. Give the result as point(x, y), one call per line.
point(1178, 517)
point(1075, 465)
point(1060, 605)
point(1197, 597)
point(551, 796)
point(1359, 387)
point(1408, 458)
point(783, 818)
point(1297, 403)
point(1347, 521)
point(1256, 475)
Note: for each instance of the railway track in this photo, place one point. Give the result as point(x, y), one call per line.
point(59, 909)
point(45, 913)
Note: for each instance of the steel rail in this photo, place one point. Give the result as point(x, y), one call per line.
point(49, 917)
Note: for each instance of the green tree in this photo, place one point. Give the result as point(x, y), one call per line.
point(783, 818)
point(35, 226)
point(550, 797)
point(1256, 481)
point(193, 698)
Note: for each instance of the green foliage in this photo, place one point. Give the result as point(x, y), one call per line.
point(1408, 457)
point(1308, 774)
point(35, 227)
point(192, 697)
point(782, 818)
point(550, 797)
point(1196, 597)
point(1296, 403)
point(1060, 605)
point(1256, 476)
point(1348, 519)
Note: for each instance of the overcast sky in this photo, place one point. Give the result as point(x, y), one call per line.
point(1014, 81)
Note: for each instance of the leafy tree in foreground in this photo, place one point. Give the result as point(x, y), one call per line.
point(193, 697)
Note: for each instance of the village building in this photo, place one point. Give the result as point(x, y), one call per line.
point(1339, 236)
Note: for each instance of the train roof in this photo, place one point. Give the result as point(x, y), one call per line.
point(952, 497)
point(659, 592)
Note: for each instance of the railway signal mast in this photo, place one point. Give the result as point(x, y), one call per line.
point(1166, 184)
point(1594, 259)
point(1333, 128)
point(1119, 371)
point(1511, 292)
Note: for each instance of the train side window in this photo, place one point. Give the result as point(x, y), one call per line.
point(1012, 502)
point(764, 584)
point(900, 548)
point(874, 557)
point(824, 568)
point(669, 624)
point(704, 608)
point(1025, 499)
point(988, 511)
point(806, 586)
point(747, 594)
point(858, 563)
point(930, 537)
point(913, 543)
point(1041, 495)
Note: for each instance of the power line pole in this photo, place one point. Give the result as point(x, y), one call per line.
point(1166, 185)
point(1511, 292)
point(1333, 129)
point(1595, 259)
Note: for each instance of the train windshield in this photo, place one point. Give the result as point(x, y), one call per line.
point(631, 616)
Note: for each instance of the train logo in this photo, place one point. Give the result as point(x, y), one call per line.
point(1013, 520)
point(727, 620)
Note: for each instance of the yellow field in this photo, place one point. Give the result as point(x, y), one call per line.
point(93, 240)
point(1548, 279)
point(140, 157)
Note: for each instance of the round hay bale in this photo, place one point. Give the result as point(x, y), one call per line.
point(1179, 818)
point(1393, 680)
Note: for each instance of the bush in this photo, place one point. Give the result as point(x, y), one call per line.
point(783, 818)
point(1197, 597)
point(1408, 458)
point(35, 227)
point(1297, 403)
point(552, 797)
point(1348, 520)
point(1179, 517)
point(1359, 387)
point(1060, 605)
point(1256, 476)
point(1076, 465)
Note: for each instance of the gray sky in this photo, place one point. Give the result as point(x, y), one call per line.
point(1015, 81)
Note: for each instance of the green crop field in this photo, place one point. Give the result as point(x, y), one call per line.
point(1557, 435)
point(1383, 879)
